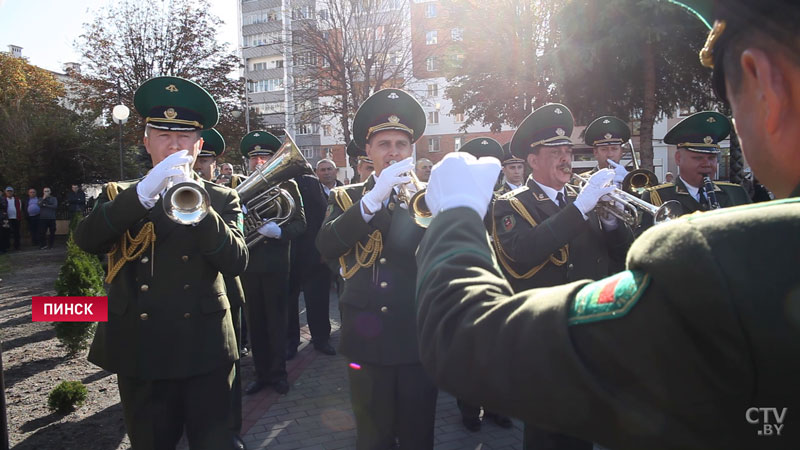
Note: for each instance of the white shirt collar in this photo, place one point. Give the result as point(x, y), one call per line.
point(512, 186)
point(551, 193)
point(693, 191)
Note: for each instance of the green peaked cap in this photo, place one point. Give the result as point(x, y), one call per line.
point(606, 130)
point(549, 125)
point(483, 146)
point(701, 132)
point(259, 143)
point(388, 109)
point(176, 104)
point(213, 143)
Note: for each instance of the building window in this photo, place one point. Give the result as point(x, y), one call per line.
point(433, 90)
point(306, 128)
point(433, 117)
point(458, 60)
point(457, 142)
point(323, 14)
point(268, 108)
point(433, 144)
point(430, 10)
point(459, 118)
point(457, 34)
point(305, 59)
point(274, 84)
point(431, 64)
point(260, 66)
point(308, 152)
point(431, 37)
point(278, 64)
point(327, 130)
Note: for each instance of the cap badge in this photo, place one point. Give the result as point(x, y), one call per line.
point(711, 120)
point(393, 96)
point(558, 111)
point(560, 131)
point(708, 140)
point(257, 148)
point(608, 136)
point(257, 135)
point(170, 113)
point(393, 118)
point(606, 121)
point(171, 88)
point(484, 142)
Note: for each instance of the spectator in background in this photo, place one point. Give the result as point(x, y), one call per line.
point(668, 177)
point(423, 171)
point(76, 200)
point(10, 213)
point(326, 172)
point(47, 218)
point(32, 211)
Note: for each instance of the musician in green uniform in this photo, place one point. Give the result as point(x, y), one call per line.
point(513, 172)
point(695, 345)
point(369, 231)
point(697, 138)
point(364, 166)
point(266, 280)
point(169, 336)
point(606, 135)
point(205, 165)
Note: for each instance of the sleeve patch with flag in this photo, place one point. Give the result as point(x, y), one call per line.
point(509, 222)
point(608, 298)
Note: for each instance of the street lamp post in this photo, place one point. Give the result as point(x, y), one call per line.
point(120, 115)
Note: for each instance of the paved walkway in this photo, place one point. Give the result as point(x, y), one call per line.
point(316, 414)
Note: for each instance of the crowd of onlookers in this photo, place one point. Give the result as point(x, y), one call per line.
point(38, 213)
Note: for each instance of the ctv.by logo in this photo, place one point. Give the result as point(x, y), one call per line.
point(770, 419)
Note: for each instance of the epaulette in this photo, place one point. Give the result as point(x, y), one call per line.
point(660, 186)
point(726, 183)
point(513, 193)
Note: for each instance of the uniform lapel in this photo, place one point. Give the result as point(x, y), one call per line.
point(690, 204)
point(540, 200)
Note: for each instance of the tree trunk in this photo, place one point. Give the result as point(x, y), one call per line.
point(649, 106)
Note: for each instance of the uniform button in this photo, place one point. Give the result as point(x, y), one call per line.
point(185, 258)
point(185, 287)
point(144, 288)
point(187, 315)
point(383, 260)
point(143, 316)
point(384, 284)
point(570, 266)
point(384, 309)
point(145, 260)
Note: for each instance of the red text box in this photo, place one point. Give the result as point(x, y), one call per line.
point(70, 309)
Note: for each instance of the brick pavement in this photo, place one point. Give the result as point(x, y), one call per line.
point(316, 415)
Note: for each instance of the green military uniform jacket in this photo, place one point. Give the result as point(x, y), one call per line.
point(560, 246)
point(671, 354)
point(272, 255)
point(504, 188)
point(377, 304)
point(728, 194)
point(174, 322)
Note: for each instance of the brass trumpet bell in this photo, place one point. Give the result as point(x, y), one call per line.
point(186, 203)
point(638, 180)
point(419, 210)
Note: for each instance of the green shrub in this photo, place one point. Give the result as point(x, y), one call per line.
point(74, 221)
point(80, 276)
point(67, 397)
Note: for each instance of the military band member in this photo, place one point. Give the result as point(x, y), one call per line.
point(228, 178)
point(205, 165)
point(169, 336)
point(547, 233)
point(513, 172)
point(606, 135)
point(266, 280)
point(374, 238)
point(364, 167)
point(470, 414)
point(697, 137)
point(686, 347)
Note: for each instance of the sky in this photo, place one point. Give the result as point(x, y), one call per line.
point(47, 29)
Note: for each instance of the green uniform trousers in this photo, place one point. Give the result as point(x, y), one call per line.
point(156, 410)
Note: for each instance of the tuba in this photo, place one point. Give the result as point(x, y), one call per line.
point(261, 196)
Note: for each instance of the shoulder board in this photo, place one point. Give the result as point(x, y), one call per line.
point(513, 193)
point(725, 183)
point(661, 186)
point(609, 298)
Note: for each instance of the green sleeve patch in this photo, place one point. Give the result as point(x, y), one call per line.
point(608, 298)
point(328, 211)
point(240, 222)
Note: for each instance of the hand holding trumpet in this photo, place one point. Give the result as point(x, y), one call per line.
point(394, 175)
point(158, 179)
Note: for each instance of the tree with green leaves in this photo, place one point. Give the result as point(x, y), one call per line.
point(633, 59)
point(501, 78)
point(129, 42)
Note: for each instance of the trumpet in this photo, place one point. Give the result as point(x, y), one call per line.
point(632, 205)
point(187, 202)
point(638, 179)
point(412, 195)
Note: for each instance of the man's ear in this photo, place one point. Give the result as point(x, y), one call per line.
point(531, 159)
point(761, 71)
point(678, 156)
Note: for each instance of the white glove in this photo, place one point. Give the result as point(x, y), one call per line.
point(460, 179)
point(596, 187)
point(271, 230)
point(610, 222)
point(395, 174)
point(620, 172)
point(151, 186)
